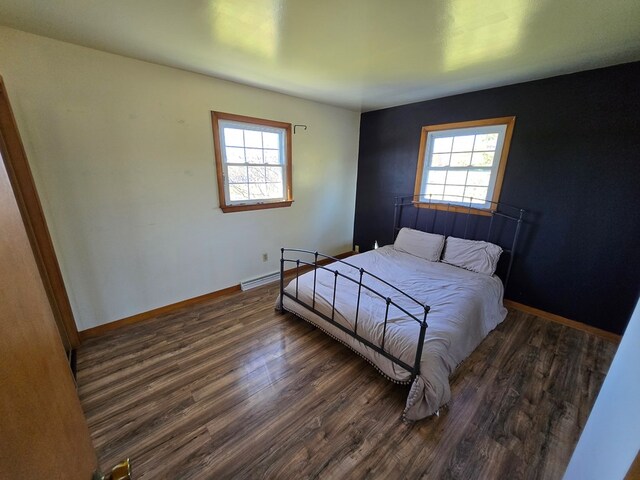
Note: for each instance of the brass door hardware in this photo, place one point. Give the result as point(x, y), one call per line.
point(121, 471)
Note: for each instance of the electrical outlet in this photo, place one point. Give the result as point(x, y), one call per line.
point(265, 257)
point(356, 248)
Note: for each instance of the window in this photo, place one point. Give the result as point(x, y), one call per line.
point(463, 163)
point(253, 162)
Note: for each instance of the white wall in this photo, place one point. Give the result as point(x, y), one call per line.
point(122, 155)
point(611, 438)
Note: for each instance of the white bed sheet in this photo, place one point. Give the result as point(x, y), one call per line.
point(465, 307)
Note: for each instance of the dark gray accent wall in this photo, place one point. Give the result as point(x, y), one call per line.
point(574, 165)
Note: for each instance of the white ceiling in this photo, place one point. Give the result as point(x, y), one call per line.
point(360, 54)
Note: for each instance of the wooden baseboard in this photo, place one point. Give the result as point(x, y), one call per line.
point(612, 337)
point(140, 317)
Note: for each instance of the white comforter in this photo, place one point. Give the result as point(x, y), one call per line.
point(465, 307)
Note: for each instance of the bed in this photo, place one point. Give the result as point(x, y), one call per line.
point(402, 307)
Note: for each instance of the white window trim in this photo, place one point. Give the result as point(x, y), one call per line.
point(282, 134)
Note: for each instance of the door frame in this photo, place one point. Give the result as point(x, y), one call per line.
point(17, 165)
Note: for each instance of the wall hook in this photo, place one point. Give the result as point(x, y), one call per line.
point(295, 126)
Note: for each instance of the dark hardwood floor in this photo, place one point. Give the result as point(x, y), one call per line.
point(231, 389)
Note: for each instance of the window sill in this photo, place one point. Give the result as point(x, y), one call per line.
point(455, 208)
point(255, 206)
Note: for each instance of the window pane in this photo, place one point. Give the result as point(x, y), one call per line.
point(480, 178)
point(274, 174)
point(233, 137)
point(476, 193)
point(237, 174)
point(253, 138)
point(486, 142)
point(271, 156)
point(437, 176)
point(256, 174)
point(463, 143)
point(456, 177)
point(258, 191)
point(238, 191)
point(455, 191)
point(274, 190)
point(434, 190)
point(440, 160)
point(483, 159)
point(460, 159)
point(442, 145)
point(235, 155)
point(254, 155)
point(270, 140)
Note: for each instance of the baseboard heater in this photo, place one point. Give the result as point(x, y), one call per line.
point(258, 282)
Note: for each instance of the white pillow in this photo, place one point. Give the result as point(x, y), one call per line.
point(474, 255)
point(420, 244)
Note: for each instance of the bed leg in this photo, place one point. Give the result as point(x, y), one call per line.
point(279, 306)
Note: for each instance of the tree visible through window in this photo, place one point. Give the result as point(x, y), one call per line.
point(253, 161)
point(463, 163)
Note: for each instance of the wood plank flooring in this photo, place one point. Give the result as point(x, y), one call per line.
point(232, 389)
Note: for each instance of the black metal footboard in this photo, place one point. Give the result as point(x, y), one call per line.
point(362, 284)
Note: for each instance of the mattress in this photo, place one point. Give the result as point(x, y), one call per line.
point(464, 307)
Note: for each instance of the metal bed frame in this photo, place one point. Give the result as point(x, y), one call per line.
point(413, 369)
point(449, 212)
point(401, 204)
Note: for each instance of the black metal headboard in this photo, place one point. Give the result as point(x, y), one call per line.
point(499, 224)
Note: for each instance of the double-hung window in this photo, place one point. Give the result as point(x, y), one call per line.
point(463, 163)
point(253, 162)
